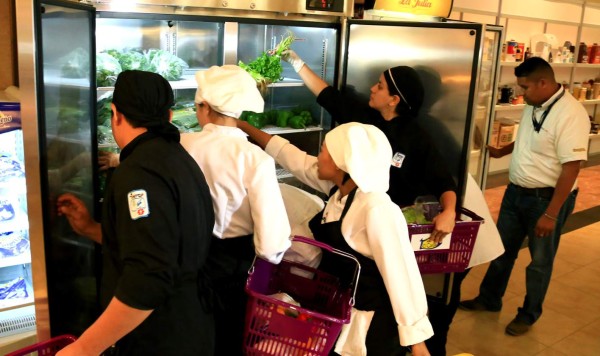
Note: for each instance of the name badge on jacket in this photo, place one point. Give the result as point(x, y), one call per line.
point(138, 204)
point(398, 159)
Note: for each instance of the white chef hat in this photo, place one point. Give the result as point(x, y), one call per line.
point(229, 90)
point(363, 152)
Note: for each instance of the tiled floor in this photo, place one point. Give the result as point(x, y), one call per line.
point(570, 324)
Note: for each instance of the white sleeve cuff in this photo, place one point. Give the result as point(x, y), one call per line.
point(414, 334)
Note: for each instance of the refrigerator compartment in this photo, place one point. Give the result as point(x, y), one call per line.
point(197, 43)
point(15, 286)
point(19, 221)
point(13, 244)
point(11, 168)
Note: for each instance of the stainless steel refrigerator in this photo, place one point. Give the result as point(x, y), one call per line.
point(58, 43)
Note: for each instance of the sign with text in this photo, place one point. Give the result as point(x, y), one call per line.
point(437, 8)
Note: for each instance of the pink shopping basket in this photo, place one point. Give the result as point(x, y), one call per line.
point(45, 348)
point(275, 327)
point(457, 257)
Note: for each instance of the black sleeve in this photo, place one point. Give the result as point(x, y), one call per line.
point(344, 107)
point(436, 174)
point(148, 245)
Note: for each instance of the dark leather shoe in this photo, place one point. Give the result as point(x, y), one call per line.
point(517, 327)
point(475, 305)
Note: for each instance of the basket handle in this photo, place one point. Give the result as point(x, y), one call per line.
point(470, 214)
point(328, 248)
point(313, 242)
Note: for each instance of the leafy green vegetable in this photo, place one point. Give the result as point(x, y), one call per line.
point(164, 63)
point(414, 216)
point(103, 110)
point(267, 67)
point(105, 135)
point(107, 70)
point(184, 119)
point(133, 60)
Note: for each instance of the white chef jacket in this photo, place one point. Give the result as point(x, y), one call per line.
point(244, 188)
point(537, 158)
point(375, 227)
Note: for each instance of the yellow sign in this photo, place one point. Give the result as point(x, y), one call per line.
point(437, 8)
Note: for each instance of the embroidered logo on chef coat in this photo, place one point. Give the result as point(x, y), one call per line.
point(138, 204)
point(398, 159)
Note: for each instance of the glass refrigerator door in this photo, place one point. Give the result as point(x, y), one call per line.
point(67, 98)
point(486, 99)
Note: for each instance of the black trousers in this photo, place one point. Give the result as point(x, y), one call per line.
point(441, 315)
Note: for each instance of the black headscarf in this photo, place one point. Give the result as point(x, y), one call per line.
point(406, 83)
point(145, 99)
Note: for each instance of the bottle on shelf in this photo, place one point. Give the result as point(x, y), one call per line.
point(576, 89)
point(594, 57)
point(582, 55)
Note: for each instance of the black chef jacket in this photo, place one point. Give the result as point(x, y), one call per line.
point(156, 228)
point(422, 170)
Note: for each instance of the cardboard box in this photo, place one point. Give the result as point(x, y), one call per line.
point(506, 135)
point(495, 133)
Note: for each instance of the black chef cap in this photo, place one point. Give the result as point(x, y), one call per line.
point(406, 83)
point(145, 99)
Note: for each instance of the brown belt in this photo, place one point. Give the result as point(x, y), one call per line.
point(546, 192)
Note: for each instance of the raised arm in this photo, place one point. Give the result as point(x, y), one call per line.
point(312, 81)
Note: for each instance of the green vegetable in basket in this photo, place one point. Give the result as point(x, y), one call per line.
point(414, 216)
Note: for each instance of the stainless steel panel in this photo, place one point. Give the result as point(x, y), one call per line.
point(27, 83)
point(446, 58)
point(341, 7)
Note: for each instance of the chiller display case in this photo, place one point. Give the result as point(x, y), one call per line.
point(17, 314)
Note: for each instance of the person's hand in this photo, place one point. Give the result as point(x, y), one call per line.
point(545, 226)
point(420, 349)
point(108, 160)
point(77, 214)
point(495, 152)
point(443, 224)
point(292, 58)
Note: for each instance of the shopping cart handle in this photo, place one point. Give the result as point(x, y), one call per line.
point(313, 242)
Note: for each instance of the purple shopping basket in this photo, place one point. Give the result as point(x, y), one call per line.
point(275, 327)
point(46, 348)
point(457, 257)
